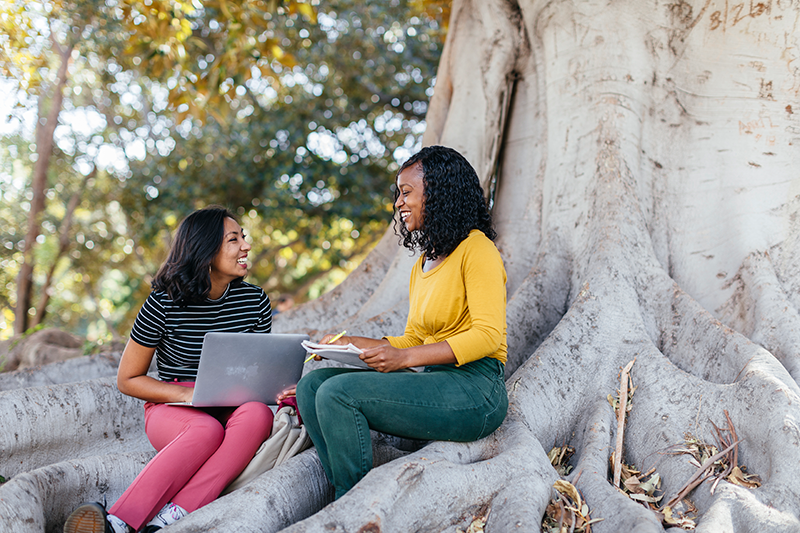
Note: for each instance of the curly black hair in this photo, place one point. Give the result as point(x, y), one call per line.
point(454, 203)
point(185, 276)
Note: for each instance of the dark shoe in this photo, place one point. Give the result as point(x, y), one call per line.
point(88, 518)
point(151, 529)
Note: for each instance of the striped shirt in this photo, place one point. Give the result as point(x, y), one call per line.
point(176, 332)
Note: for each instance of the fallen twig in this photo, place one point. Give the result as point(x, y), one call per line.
point(623, 403)
point(689, 485)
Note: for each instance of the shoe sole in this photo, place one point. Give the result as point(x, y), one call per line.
point(86, 519)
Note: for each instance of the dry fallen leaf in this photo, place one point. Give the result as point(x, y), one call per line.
point(559, 456)
point(568, 489)
point(738, 477)
point(477, 524)
point(566, 512)
point(677, 519)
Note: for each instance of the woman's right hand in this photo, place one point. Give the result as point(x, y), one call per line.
point(327, 340)
point(186, 393)
point(341, 340)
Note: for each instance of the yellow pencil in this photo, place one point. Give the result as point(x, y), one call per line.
point(336, 338)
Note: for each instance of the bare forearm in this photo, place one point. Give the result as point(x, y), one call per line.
point(438, 353)
point(152, 390)
point(132, 378)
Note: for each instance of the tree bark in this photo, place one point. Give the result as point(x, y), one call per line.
point(45, 128)
point(646, 207)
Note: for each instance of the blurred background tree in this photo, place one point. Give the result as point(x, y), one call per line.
point(292, 114)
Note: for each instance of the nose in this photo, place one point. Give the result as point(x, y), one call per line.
point(399, 201)
point(246, 246)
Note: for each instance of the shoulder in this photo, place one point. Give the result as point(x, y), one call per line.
point(158, 299)
point(249, 288)
point(247, 292)
point(478, 243)
point(480, 257)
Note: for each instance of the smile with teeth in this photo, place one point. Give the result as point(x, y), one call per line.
point(404, 215)
point(242, 261)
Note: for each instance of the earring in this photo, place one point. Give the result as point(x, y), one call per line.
point(209, 270)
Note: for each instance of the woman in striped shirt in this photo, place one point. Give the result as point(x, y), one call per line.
point(199, 288)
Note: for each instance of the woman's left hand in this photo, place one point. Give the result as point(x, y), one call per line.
point(385, 358)
point(291, 391)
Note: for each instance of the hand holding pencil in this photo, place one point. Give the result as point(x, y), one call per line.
point(329, 341)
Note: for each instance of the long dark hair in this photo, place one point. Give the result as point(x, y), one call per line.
point(454, 203)
point(185, 276)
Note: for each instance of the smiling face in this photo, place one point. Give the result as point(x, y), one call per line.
point(231, 259)
point(410, 203)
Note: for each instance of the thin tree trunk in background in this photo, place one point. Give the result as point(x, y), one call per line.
point(63, 245)
point(44, 149)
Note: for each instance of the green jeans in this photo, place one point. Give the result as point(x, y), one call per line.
point(444, 402)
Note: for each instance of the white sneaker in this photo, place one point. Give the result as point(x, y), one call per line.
point(169, 514)
point(118, 525)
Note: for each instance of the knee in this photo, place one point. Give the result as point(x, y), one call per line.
point(307, 388)
point(333, 389)
point(256, 416)
point(308, 384)
point(333, 399)
point(209, 430)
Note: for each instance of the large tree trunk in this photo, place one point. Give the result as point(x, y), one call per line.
point(646, 203)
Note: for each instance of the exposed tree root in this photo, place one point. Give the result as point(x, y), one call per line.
point(760, 309)
point(71, 370)
point(40, 500)
point(45, 425)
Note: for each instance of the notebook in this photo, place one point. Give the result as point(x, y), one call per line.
point(237, 368)
point(347, 354)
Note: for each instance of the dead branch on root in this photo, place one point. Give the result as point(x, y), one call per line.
point(622, 407)
point(711, 464)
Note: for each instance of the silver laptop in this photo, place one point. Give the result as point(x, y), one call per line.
point(237, 368)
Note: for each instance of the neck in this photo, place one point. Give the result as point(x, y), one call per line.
point(217, 289)
point(431, 263)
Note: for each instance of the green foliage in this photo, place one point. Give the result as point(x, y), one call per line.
point(292, 117)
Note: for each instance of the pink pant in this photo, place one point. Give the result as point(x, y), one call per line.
point(200, 451)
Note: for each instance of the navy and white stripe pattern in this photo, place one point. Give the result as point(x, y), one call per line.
point(176, 332)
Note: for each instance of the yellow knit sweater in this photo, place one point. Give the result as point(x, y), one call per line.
point(462, 301)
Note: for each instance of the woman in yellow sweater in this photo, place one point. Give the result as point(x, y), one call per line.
point(456, 330)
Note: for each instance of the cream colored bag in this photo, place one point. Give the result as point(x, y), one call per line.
point(287, 439)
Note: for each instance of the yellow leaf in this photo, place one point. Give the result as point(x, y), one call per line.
point(568, 489)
